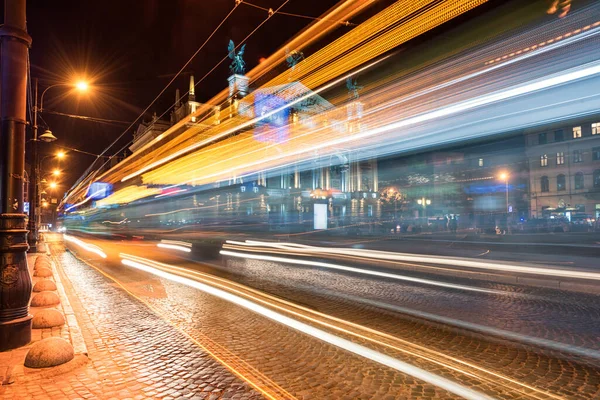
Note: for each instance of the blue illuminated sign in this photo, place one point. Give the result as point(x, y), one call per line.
point(99, 190)
point(273, 126)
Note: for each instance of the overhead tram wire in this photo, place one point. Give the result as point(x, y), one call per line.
point(319, 20)
point(89, 119)
point(345, 23)
point(209, 72)
point(162, 91)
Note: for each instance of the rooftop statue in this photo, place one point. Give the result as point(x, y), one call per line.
point(293, 58)
point(237, 66)
point(353, 88)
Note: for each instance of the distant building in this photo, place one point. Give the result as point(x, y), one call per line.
point(564, 163)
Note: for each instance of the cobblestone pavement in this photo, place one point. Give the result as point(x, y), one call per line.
point(308, 368)
point(133, 353)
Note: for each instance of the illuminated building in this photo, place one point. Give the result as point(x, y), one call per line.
point(564, 163)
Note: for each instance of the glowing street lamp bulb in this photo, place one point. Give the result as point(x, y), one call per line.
point(419, 201)
point(82, 86)
point(53, 185)
point(60, 154)
point(503, 176)
point(56, 172)
point(428, 202)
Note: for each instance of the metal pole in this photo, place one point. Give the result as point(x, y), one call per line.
point(34, 179)
point(506, 190)
point(15, 281)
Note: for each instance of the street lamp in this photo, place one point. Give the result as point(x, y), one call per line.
point(47, 137)
point(424, 202)
point(56, 172)
point(504, 176)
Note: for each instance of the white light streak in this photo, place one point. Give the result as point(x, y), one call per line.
point(357, 270)
point(174, 247)
point(454, 261)
point(318, 333)
point(86, 246)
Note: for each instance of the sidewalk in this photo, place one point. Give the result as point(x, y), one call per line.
point(131, 352)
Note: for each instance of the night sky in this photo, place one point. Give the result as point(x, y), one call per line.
point(130, 49)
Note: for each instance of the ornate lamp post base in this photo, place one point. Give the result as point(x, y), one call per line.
point(15, 283)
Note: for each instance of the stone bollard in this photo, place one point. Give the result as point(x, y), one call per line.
point(42, 272)
point(45, 299)
point(43, 285)
point(47, 318)
point(49, 352)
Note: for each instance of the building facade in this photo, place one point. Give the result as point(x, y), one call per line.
point(564, 164)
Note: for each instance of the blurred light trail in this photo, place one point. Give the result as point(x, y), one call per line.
point(294, 147)
point(347, 327)
point(175, 245)
point(359, 271)
point(86, 246)
point(247, 123)
point(455, 261)
point(337, 341)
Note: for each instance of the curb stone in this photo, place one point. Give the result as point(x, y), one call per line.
point(74, 330)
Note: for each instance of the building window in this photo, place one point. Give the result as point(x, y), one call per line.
point(576, 132)
point(481, 162)
point(560, 158)
point(542, 138)
point(545, 183)
point(559, 135)
point(544, 160)
point(579, 180)
point(577, 157)
point(596, 128)
point(596, 153)
point(561, 182)
point(597, 178)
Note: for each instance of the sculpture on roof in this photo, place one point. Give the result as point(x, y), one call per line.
point(237, 66)
point(293, 58)
point(353, 88)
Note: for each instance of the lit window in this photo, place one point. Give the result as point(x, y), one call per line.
point(577, 157)
point(560, 158)
point(481, 162)
point(596, 128)
point(545, 184)
point(561, 182)
point(579, 180)
point(544, 160)
point(576, 132)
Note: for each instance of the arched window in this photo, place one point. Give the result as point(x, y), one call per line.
point(597, 178)
point(561, 182)
point(579, 180)
point(545, 184)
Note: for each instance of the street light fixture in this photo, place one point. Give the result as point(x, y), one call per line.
point(424, 202)
point(505, 176)
point(60, 155)
point(56, 172)
point(47, 137)
point(53, 185)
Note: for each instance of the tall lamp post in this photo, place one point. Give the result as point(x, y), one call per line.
point(47, 137)
point(504, 176)
point(15, 281)
point(424, 202)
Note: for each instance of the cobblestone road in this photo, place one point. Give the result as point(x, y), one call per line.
point(133, 352)
point(308, 368)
